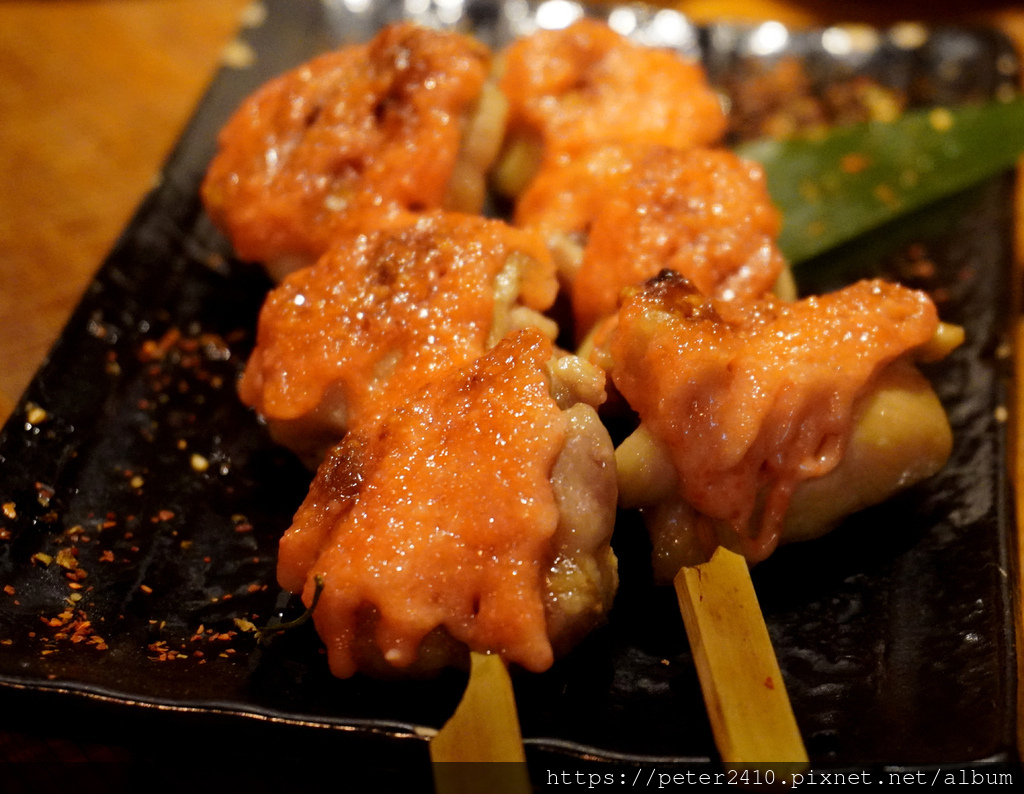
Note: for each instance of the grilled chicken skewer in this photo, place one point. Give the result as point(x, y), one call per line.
point(765, 422)
point(407, 122)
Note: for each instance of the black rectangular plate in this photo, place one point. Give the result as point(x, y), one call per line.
point(894, 633)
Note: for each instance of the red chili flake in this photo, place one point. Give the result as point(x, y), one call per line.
point(82, 631)
point(107, 556)
point(108, 524)
point(5, 533)
point(68, 558)
point(253, 588)
point(165, 515)
point(44, 494)
point(154, 350)
point(10, 510)
point(923, 269)
point(145, 588)
point(8, 589)
point(769, 683)
point(854, 163)
point(243, 527)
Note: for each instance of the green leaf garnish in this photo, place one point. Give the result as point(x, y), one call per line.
point(834, 187)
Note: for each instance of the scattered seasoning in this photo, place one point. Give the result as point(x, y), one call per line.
point(44, 493)
point(854, 163)
point(886, 195)
point(66, 558)
point(941, 119)
point(35, 414)
point(769, 683)
point(9, 589)
point(75, 627)
point(238, 55)
point(145, 588)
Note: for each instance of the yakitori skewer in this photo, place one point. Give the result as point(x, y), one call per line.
point(761, 423)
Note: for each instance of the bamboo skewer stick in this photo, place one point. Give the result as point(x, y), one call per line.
point(749, 709)
point(483, 731)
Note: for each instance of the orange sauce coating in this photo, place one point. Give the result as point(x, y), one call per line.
point(383, 312)
point(346, 133)
point(567, 194)
point(441, 516)
point(754, 397)
point(586, 85)
point(704, 213)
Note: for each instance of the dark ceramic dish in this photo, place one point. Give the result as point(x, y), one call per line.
point(894, 633)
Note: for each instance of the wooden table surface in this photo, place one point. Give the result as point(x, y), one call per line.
point(93, 96)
